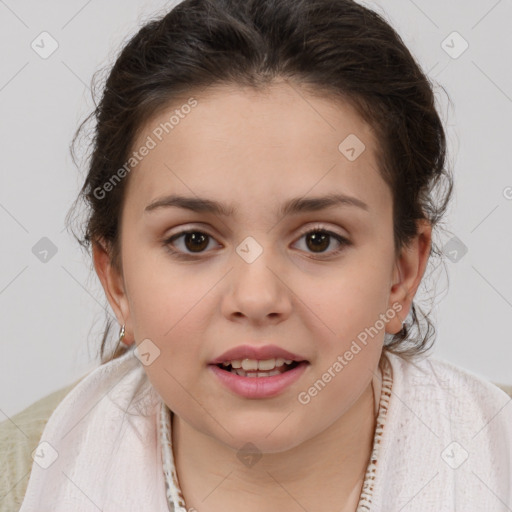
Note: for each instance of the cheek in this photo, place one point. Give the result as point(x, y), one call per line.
point(161, 308)
point(350, 345)
point(158, 290)
point(171, 316)
point(172, 306)
point(344, 317)
point(351, 298)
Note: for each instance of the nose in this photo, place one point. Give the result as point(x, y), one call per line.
point(257, 290)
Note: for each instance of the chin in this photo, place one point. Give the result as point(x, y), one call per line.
point(270, 436)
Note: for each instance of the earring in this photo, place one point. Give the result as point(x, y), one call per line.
point(403, 331)
point(121, 335)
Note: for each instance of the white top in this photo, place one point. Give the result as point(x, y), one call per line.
point(445, 445)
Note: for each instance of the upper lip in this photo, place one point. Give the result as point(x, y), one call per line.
point(260, 353)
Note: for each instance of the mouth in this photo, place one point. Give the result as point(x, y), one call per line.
point(258, 379)
point(266, 370)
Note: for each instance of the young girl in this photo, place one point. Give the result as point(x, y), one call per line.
point(263, 186)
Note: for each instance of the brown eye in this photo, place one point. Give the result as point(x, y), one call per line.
point(192, 241)
point(319, 241)
point(196, 241)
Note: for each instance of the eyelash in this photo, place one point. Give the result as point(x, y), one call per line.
point(344, 242)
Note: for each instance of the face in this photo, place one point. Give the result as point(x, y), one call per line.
point(254, 277)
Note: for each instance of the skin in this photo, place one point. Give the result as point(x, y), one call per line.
point(253, 151)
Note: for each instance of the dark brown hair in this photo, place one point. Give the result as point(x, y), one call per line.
point(335, 48)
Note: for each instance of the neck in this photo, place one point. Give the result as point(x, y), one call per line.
point(326, 471)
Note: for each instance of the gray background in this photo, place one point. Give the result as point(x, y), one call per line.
point(52, 312)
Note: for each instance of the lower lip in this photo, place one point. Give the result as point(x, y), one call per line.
point(259, 387)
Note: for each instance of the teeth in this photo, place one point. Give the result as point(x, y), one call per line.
point(249, 364)
point(243, 373)
point(253, 364)
point(267, 364)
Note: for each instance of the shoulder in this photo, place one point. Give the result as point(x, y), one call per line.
point(429, 370)
point(458, 424)
point(476, 382)
point(19, 436)
point(444, 388)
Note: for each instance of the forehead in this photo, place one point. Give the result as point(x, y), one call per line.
point(282, 141)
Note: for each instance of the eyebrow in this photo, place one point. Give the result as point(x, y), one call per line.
point(292, 206)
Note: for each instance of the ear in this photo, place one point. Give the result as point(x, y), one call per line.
point(408, 273)
point(113, 285)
